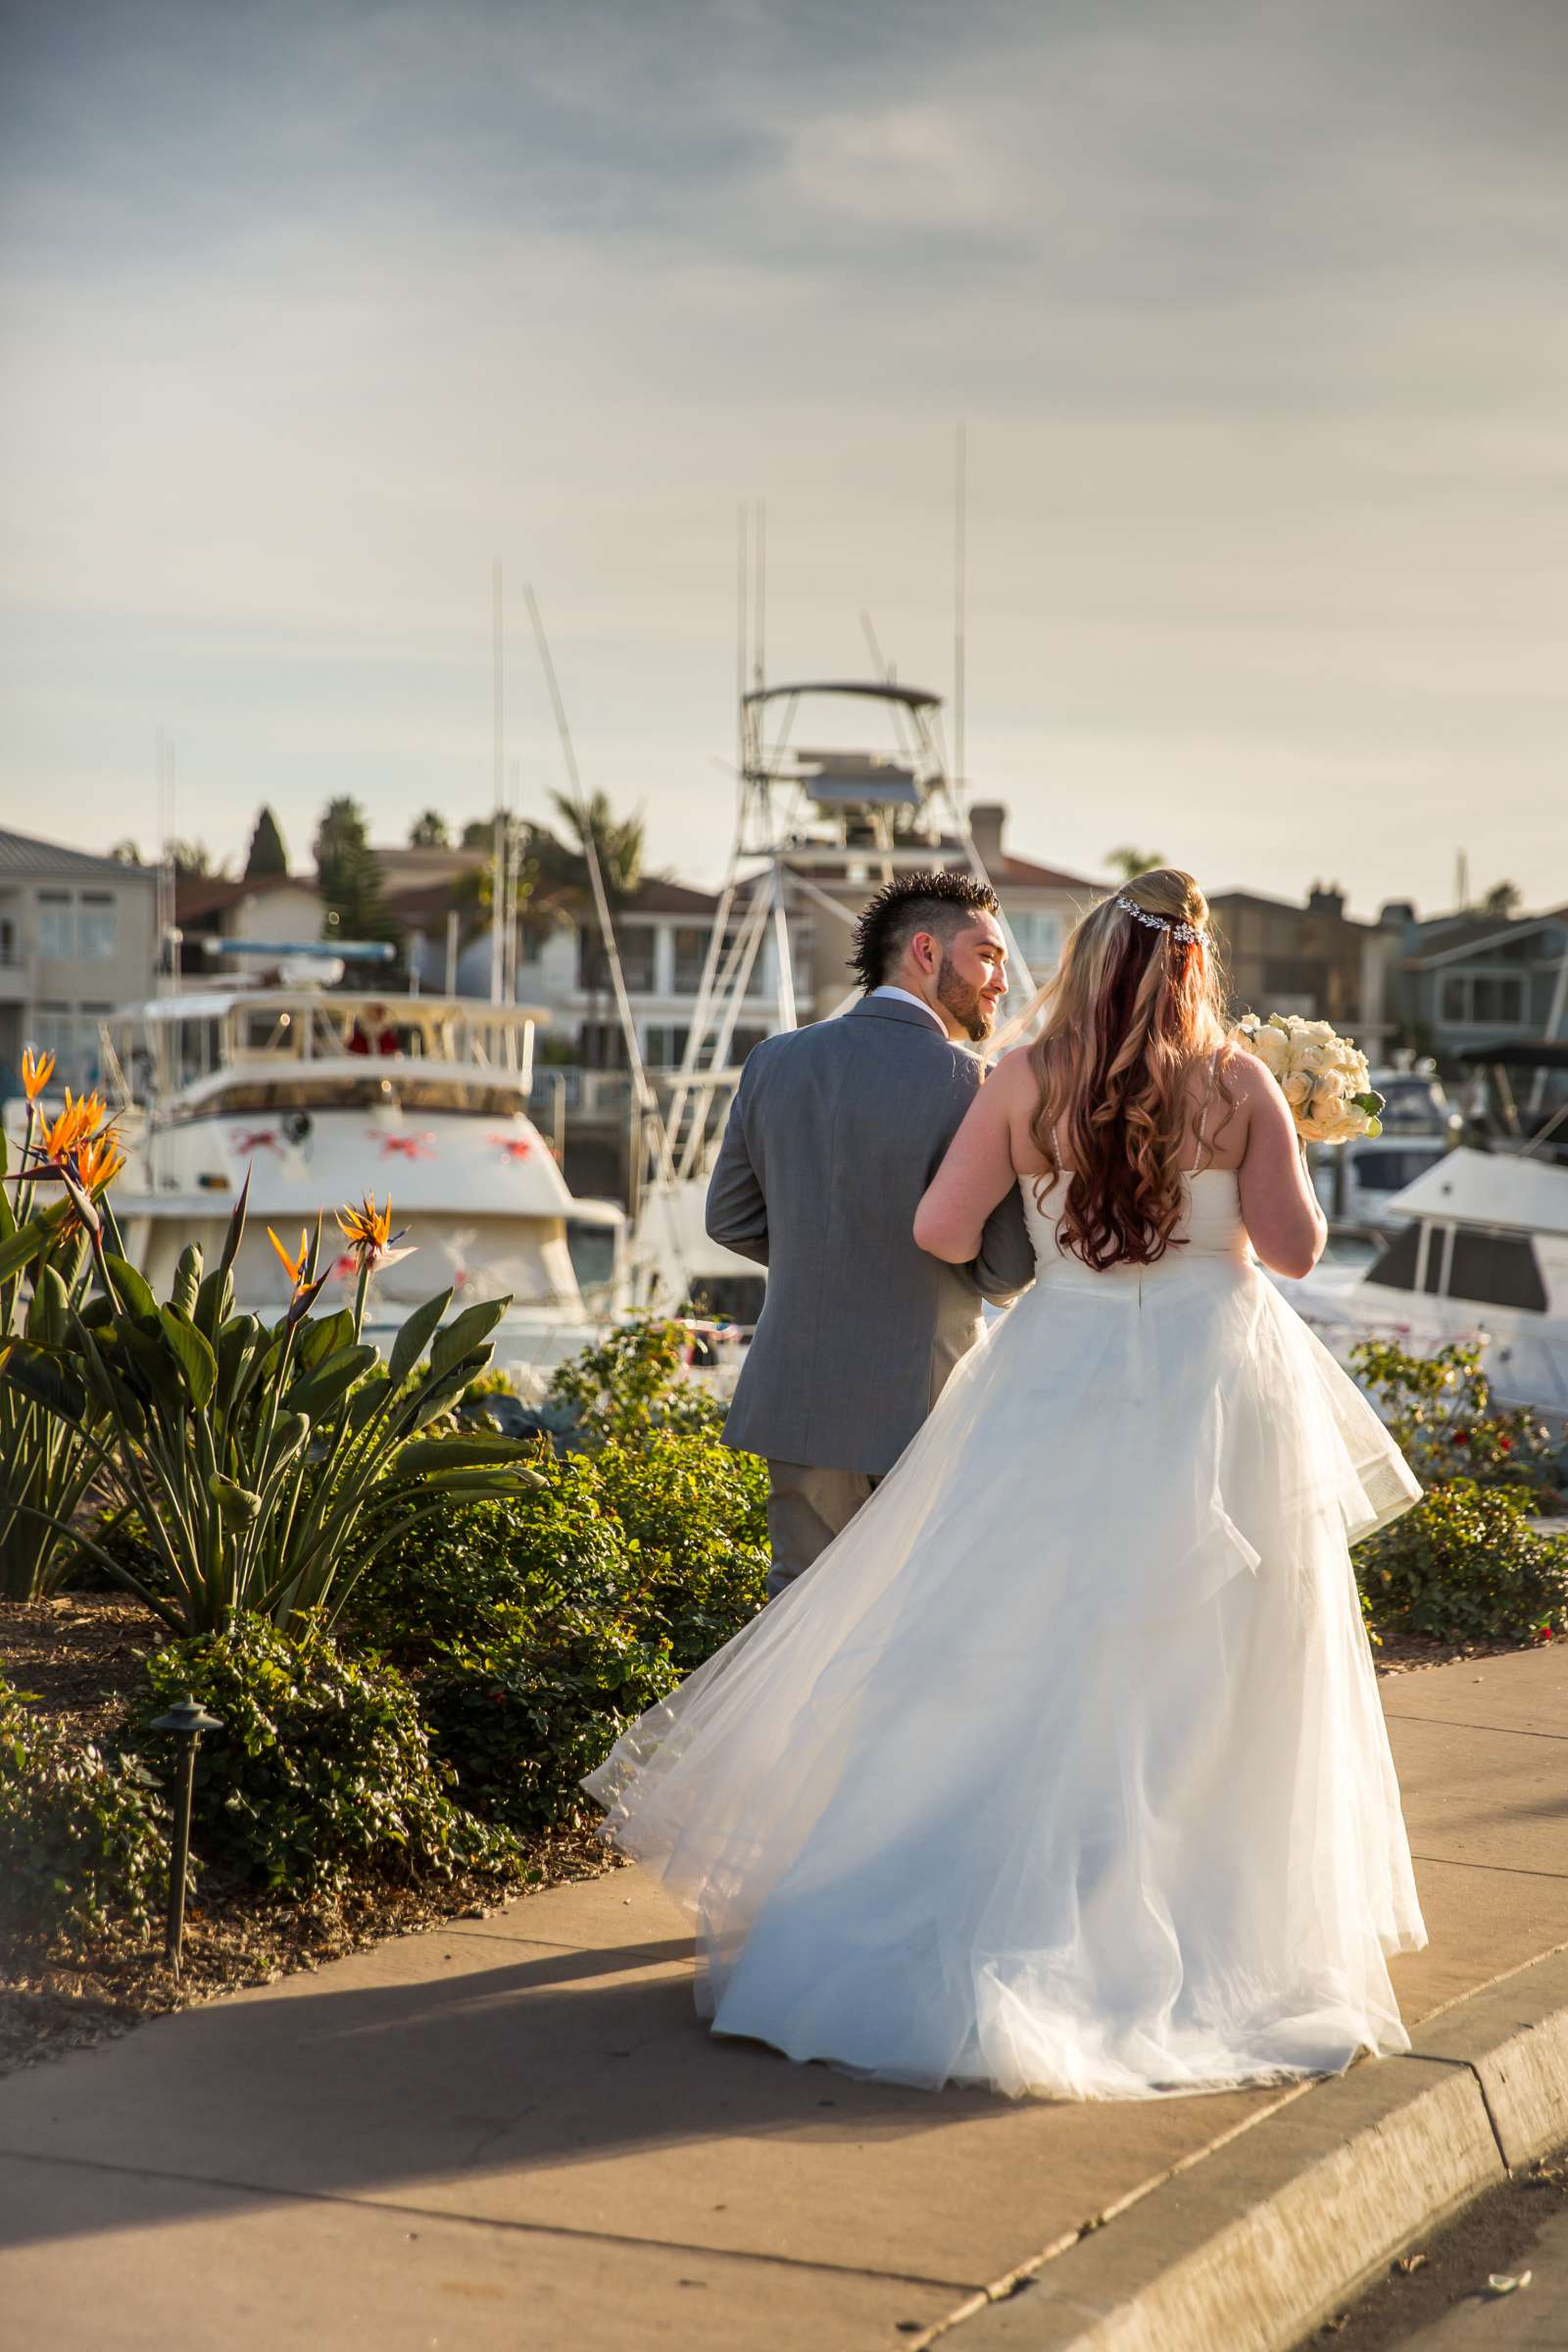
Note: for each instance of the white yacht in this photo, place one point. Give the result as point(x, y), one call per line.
point(1362, 1184)
point(1481, 1251)
point(321, 1097)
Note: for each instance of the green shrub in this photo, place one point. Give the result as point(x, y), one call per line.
point(322, 1770)
point(84, 1845)
point(524, 1706)
point(1465, 1564)
point(695, 1521)
point(556, 1540)
point(1439, 1413)
point(635, 1381)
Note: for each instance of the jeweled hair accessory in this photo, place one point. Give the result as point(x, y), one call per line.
point(1158, 922)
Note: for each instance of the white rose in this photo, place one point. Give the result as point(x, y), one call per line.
point(1272, 1048)
point(1297, 1089)
point(1320, 1033)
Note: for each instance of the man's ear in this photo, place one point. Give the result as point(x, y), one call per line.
point(927, 949)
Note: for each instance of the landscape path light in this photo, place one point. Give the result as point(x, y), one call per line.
point(184, 1722)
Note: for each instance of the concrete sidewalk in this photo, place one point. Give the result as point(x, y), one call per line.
point(514, 2132)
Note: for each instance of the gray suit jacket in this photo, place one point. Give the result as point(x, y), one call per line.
point(835, 1132)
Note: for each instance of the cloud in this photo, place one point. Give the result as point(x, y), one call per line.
point(1254, 315)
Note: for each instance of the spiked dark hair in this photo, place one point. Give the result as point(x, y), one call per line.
point(932, 899)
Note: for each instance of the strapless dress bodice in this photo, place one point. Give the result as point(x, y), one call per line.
point(1210, 1237)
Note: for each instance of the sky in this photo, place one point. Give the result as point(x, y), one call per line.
point(1253, 315)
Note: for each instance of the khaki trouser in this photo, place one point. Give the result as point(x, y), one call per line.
point(806, 1509)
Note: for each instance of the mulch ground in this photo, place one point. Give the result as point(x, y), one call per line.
point(78, 1659)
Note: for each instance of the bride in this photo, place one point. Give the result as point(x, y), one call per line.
point(1062, 1769)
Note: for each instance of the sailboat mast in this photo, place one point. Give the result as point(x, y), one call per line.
point(498, 847)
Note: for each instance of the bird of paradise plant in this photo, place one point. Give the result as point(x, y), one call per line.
point(267, 1466)
point(45, 1268)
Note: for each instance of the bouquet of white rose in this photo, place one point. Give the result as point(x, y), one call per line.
point(1323, 1077)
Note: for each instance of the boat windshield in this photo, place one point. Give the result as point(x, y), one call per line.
point(380, 1089)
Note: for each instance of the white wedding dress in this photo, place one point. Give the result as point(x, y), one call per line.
point(1063, 1769)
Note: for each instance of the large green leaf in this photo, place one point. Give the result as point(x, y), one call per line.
point(143, 1354)
point(236, 1227)
point(187, 1283)
point(436, 1394)
point(235, 1503)
point(20, 1249)
point(370, 1399)
point(414, 1335)
point(133, 1291)
point(318, 1340)
point(46, 1376)
point(477, 1485)
point(214, 1303)
point(322, 1388)
point(48, 1308)
point(465, 1333)
point(198, 1364)
point(424, 1454)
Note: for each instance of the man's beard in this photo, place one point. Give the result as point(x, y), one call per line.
point(965, 1001)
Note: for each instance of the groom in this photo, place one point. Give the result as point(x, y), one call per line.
point(835, 1132)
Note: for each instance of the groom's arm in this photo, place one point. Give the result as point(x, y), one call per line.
point(1006, 1264)
point(737, 1207)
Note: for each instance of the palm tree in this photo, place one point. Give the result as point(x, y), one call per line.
point(618, 842)
point(1128, 864)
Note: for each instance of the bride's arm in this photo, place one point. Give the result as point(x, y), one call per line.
point(977, 1172)
point(1279, 1207)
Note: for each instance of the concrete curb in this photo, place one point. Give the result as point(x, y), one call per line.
point(1249, 2247)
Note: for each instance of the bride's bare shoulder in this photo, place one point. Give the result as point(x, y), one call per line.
point(1015, 1075)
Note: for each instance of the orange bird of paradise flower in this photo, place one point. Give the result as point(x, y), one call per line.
point(369, 1229)
point(81, 1118)
point(293, 1267)
point(36, 1071)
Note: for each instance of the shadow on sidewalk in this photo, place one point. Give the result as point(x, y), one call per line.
point(472, 2090)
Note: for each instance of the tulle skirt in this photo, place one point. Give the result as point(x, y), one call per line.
point(1062, 1769)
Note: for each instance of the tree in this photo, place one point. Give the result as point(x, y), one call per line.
point(350, 875)
point(429, 831)
point(478, 833)
point(125, 853)
point(1128, 864)
point(191, 859)
point(267, 854)
point(618, 842)
point(1503, 897)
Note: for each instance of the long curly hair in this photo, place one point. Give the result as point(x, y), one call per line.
point(1130, 1010)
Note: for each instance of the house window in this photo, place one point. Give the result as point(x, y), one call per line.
point(1038, 932)
point(636, 943)
point(71, 1037)
point(665, 1045)
point(97, 925)
point(601, 1046)
point(691, 955)
point(637, 959)
point(1479, 999)
point(57, 931)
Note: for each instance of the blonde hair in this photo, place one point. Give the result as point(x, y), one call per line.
point(1131, 1010)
